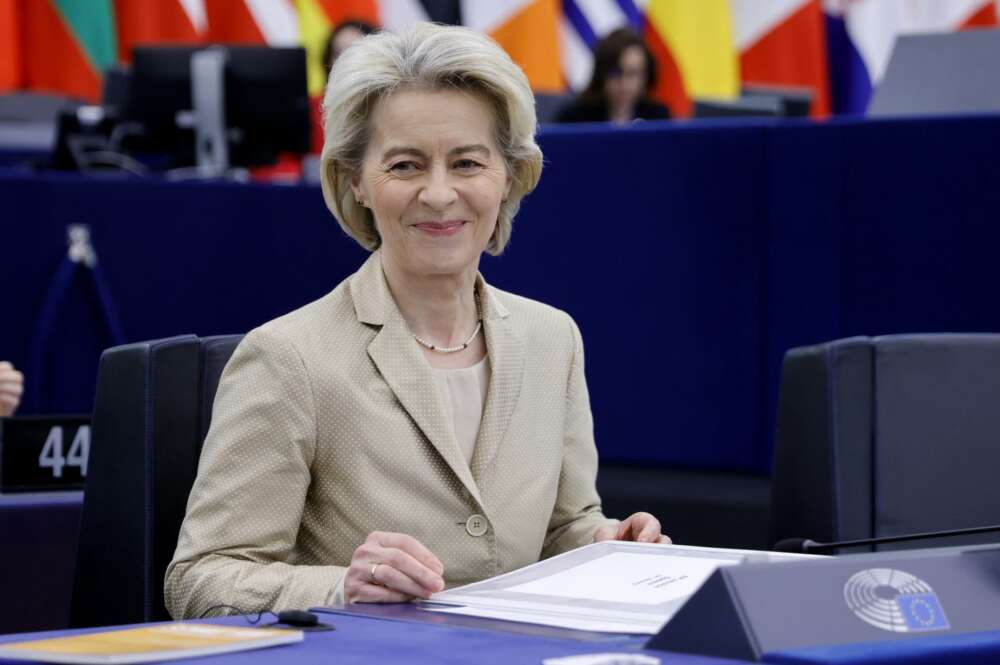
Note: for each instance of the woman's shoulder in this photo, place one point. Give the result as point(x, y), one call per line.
point(580, 110)
point(549, 335)
point(649, 109)
point(533, 316)
point(313, 325)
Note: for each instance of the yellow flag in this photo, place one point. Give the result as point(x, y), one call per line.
point(314, 26)
point(699, 35)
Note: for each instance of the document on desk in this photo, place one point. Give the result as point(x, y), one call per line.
point(612, 586)
point(147, 644)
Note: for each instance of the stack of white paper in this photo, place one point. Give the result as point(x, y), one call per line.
point(612, 586)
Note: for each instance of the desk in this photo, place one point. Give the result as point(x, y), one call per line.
point(366, 640)
point(38, 534)
point(970, 649)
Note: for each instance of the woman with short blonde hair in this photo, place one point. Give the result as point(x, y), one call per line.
point(427, 58)
point(416, 427)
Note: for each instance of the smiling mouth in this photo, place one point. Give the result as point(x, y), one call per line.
point(440, 228)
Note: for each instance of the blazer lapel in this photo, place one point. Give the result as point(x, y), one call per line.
point(506, 351)
point(404, 368)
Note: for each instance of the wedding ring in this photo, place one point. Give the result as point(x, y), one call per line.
point(371, 573)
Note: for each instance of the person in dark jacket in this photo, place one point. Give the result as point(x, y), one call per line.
point(624, 74)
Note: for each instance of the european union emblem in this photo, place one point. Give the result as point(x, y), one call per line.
point(922, 611)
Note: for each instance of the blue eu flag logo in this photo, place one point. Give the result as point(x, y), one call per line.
point(922, 611)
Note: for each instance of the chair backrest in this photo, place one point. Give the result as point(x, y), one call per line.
point(881, 436)
point(151, 413)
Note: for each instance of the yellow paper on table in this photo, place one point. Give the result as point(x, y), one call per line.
point(152, 643)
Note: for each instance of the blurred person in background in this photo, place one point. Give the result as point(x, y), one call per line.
point(341, 37)
point(11, 389)
point(624, 74)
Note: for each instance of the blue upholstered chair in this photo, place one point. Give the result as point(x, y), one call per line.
point(151, 413)
point(881, 436)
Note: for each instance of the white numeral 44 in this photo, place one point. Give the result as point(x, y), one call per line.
point(51, 456)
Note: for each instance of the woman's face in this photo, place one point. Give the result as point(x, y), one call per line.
point(625, 85)
point(434, 178)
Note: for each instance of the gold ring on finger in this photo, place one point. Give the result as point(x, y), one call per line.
point(371, 573)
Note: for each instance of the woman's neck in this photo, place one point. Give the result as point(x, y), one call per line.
point(440, 309)
point(623, 114)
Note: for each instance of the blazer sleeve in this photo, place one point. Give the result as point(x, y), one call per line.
point(245, 508)
point(577, 512)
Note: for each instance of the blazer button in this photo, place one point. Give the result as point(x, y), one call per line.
point(476, 525)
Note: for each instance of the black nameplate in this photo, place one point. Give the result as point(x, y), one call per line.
point(751, 610)
point(39, 453)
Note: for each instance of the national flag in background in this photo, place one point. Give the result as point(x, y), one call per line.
point(581, 25)
point(270, 22)
point(692, 43)
point(160, 22)
point(10, 46)
point(861, 34)
point(783, 43)
point(839, 48)
point(63, 45)
point(527, 30)
point(317, 19)
point(695, 40)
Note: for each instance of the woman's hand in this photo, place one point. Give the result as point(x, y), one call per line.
point(392, 568)
point(640, 527)
point(11, 388)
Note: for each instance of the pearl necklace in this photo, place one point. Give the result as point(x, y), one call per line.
point(450, 349)
point(461, 347)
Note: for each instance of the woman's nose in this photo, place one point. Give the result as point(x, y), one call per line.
point(438, 192)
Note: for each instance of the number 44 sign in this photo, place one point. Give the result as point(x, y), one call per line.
point(40, 453)
point(51, 456)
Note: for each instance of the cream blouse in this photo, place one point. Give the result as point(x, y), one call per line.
point(463, 392)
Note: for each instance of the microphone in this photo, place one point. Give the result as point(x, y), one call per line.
point(807, 546)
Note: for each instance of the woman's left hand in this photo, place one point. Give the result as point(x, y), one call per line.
point(640, 527)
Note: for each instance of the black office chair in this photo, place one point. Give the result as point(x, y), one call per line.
point(151, 413)
point(881, 436)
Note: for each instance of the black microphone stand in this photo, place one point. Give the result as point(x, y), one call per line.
point(805, 545)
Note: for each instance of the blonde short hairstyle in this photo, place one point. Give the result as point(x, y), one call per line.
point(426, 57)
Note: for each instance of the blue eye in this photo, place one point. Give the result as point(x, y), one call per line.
point(467, 164)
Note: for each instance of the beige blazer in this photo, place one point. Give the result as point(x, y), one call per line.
point(327, 426)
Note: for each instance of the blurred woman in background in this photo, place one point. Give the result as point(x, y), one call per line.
point(624, 74)
point(341, 37)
